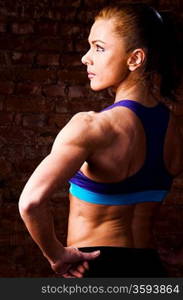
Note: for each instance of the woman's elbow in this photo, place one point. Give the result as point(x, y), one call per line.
point(27, 205)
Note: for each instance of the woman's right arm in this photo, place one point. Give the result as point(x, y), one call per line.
point(73, 145)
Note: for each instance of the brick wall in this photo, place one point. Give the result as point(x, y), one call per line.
point(42, 84)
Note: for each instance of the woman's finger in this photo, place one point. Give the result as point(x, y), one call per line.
point(75, 273)
point(67, 275)
point(81, 268)
point(86, 265)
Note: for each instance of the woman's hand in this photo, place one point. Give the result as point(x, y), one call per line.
point(73, 262)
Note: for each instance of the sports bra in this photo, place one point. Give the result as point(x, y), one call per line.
point(151, 183)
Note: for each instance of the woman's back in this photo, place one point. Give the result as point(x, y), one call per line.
point(125, 224)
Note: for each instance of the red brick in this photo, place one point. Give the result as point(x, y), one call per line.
point(28, 89)
point(38, 120)
point(6, 74)
point(48, 59)
point(32, 10)
point(61, 3)
point(8, 270)
point(28, 165)
point(5, 59)
point(10, 137)
point(3, 27)
point(87, 16)
point(9, 42)
point(77, 92)
point(44, 43)
point(93, 4)
point(35, 43)
point(22, 58)
point(54, 90)
point(6, 118)
point(5, 168)
point(6, 88)
point(1, 103)
point(81, 45)
point(13, 152)
point(76, 105)
point(46, 28)
point(69, 30)
point(177, 4)
point(50, 104)
point(38, 75)
point(22, 28)
point(63, 105)
point(33, 152)
point(18, 119)
point(73, 76)
point(178, 109)
point(71, 61)
point(26, 104)
point(45, 138)
point(57, 14)
point(29, 43)
point(59, 120)
point(2, 58)
point(27, 74)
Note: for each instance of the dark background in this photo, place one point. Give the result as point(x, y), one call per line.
point(42, 85)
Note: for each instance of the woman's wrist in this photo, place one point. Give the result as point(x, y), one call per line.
point(55, 253)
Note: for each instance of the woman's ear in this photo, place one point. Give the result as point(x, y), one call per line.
point(136, 59)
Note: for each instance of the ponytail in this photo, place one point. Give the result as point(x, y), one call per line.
point(171, 62)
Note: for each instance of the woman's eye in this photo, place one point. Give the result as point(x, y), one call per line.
point(99, 48)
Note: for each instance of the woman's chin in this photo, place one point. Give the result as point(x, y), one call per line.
point(97, 88)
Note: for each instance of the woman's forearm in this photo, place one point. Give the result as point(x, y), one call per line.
point(39, 222)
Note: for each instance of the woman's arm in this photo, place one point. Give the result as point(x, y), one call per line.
point(73, 145)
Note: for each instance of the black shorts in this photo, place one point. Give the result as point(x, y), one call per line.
point(119, 262)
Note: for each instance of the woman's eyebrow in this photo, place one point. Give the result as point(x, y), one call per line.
point(95, 41)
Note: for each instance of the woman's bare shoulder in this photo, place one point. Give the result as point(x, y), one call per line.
point(88, 129)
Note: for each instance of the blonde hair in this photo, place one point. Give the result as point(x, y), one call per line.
point(123, 20)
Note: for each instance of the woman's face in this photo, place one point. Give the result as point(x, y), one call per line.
point(106, 60)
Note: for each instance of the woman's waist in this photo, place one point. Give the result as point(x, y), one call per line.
point(98, 241)
point(107, 225)
point(114, 242)
point(83, 234)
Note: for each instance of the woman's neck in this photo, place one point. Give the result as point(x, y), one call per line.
point(138, 91)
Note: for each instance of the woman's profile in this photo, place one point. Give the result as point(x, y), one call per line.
point(120, 162)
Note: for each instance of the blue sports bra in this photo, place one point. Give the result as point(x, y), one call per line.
point(151, 183)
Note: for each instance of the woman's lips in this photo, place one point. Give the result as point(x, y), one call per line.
point(91, 75)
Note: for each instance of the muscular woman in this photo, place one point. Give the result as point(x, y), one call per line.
point(120, 162)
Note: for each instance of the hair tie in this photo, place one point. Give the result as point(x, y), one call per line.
point(158, 15)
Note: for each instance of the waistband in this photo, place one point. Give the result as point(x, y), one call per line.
point(117, 248)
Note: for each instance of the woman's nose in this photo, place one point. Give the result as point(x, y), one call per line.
point(86, 59)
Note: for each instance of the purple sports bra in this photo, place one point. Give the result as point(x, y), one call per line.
point(151, 183)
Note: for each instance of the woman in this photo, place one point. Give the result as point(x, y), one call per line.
point(120, 162)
